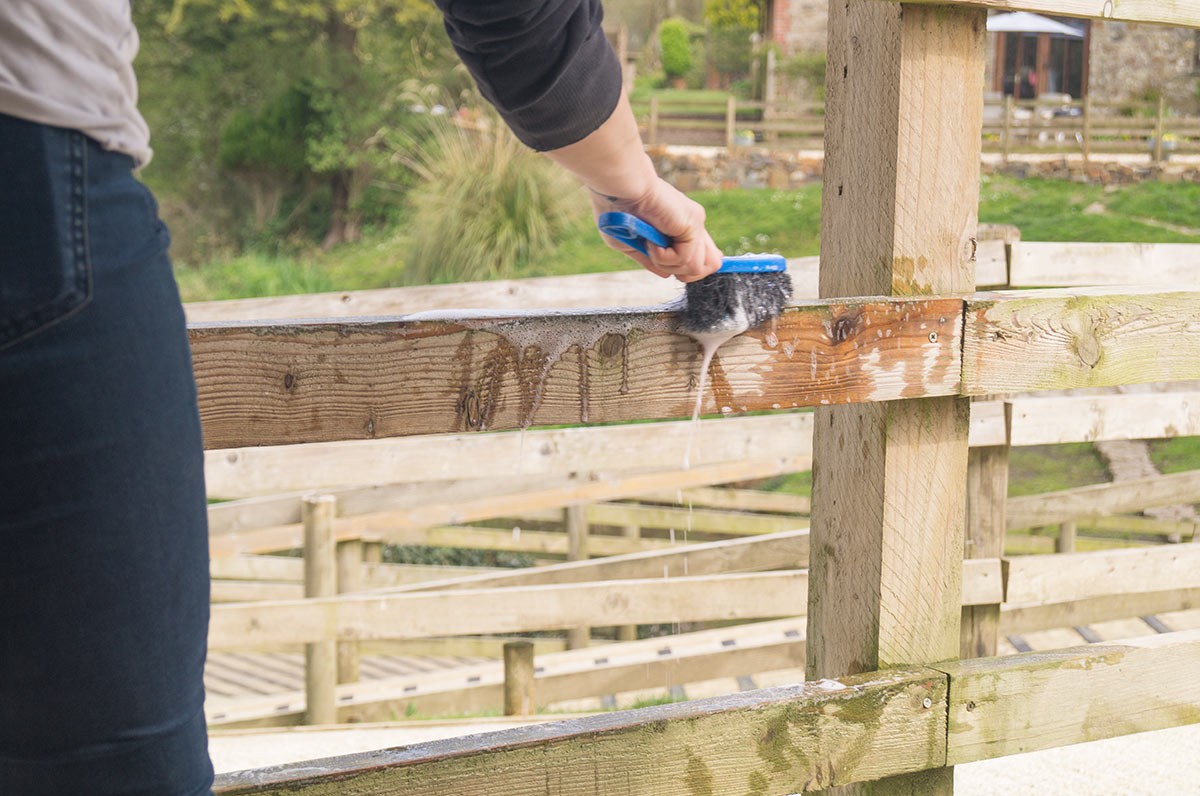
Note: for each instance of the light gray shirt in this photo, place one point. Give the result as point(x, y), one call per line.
point(69, 63)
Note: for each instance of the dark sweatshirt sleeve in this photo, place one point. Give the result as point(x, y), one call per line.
point(544, 64)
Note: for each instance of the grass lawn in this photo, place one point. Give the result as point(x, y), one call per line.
point(788, 222)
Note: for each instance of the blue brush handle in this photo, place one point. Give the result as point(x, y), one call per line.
point(634, 232)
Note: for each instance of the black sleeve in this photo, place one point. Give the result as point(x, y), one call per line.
point(544, 64)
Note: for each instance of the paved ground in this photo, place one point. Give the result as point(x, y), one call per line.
point(1164, 763)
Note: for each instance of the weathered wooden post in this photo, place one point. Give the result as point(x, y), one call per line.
point(575, 520)
point(349, 580)
point(1006, 142)
point(987, 497)
point(904, 92)
point(652, 132)
point(730, 121)
point(1087, 130)
point(629, 632)
point(1159, 129)
point(1065, 541)
point(372, 552)
point(518, 679)
point(320, 580)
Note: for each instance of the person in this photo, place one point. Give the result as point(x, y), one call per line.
point(104, 581)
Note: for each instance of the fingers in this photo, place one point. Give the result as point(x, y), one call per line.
point(692, 255)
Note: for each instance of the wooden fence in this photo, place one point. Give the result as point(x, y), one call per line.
point(1050, 124)
point(897, 492)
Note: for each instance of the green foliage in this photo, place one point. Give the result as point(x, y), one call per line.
point(270, 139)
point(810, 68)
point(486, 205)
point(676, 49)
point(731, 24)
point(742, 14)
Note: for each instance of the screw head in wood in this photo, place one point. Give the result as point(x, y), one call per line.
point(933, 337)
point(927, 702)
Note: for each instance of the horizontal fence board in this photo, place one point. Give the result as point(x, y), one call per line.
point(1101, 500)
point(561, 675)
point(289, 382)
point(786, 550)
point(1081, 418)
point(1022, 341)
point(265, 524)
point(771, 742)
point(246, 472)
point(1079, 576)
point(1043, 264)
point(1041, 700)
point(1030, 618)
point(520, 609)
point(1166, 12)
point(512, 610)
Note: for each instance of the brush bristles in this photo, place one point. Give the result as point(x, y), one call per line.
point(728, 301)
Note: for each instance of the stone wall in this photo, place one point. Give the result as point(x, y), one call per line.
point(710, 168)
point(800, 26)
point(1131, 62)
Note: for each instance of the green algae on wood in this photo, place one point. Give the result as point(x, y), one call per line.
point(1017, 341)
point(815, 734)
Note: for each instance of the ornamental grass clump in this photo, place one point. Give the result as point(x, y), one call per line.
point(486, 205)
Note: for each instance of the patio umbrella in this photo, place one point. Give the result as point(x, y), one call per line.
point(1024, 22)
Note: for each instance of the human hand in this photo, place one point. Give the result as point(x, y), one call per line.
point(692, 255)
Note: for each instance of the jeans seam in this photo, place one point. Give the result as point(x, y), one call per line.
point(64, 306)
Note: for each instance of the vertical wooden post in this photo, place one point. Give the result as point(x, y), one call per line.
point(1087, 129)
point(575, 519)
point(518, 679)
point(320, 580)
point(904, 92)
point(1065, 543)
point(987, 496)
point(629, 632)
point(349, 580)
point(769, 108)
point(730, 121)
point(1159, 129)
point(1006, 143)
point(652, 133)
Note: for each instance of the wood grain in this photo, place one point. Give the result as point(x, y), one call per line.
point(247, 472)
point(1080, 576)
point(1042, 264)
point(511, 610)
point(1101, 500)
point(1041, 700)
point(1092, 418)
point(288, 382)
point(770, 742)
point(1166, 12)
point(903, 102)
point(1022, 341)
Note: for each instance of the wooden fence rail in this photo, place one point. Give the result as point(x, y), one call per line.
point(885, 587)
point(794, 738)
point(1047, 124)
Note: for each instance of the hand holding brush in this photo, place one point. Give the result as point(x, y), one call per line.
point(746, 292)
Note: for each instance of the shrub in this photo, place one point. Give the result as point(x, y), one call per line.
point(486, 205)
point(676, 51)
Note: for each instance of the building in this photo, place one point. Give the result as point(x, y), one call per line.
point(1111, 61)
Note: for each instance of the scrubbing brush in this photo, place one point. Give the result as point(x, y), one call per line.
point(746, 292)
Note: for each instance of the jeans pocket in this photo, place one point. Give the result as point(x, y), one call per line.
point(45, 271)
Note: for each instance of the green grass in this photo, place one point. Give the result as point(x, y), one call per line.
point(787, 222)
point(1050, 468)
point(1176, 455)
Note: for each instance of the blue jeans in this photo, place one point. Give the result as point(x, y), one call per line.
point(103, 540)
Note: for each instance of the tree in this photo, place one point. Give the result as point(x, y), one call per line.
point(676, 50)
point(731, 24)
point(221, 67)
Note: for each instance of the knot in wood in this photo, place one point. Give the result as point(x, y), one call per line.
point(289, 381)
point(843, 327)
point(612, 345)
